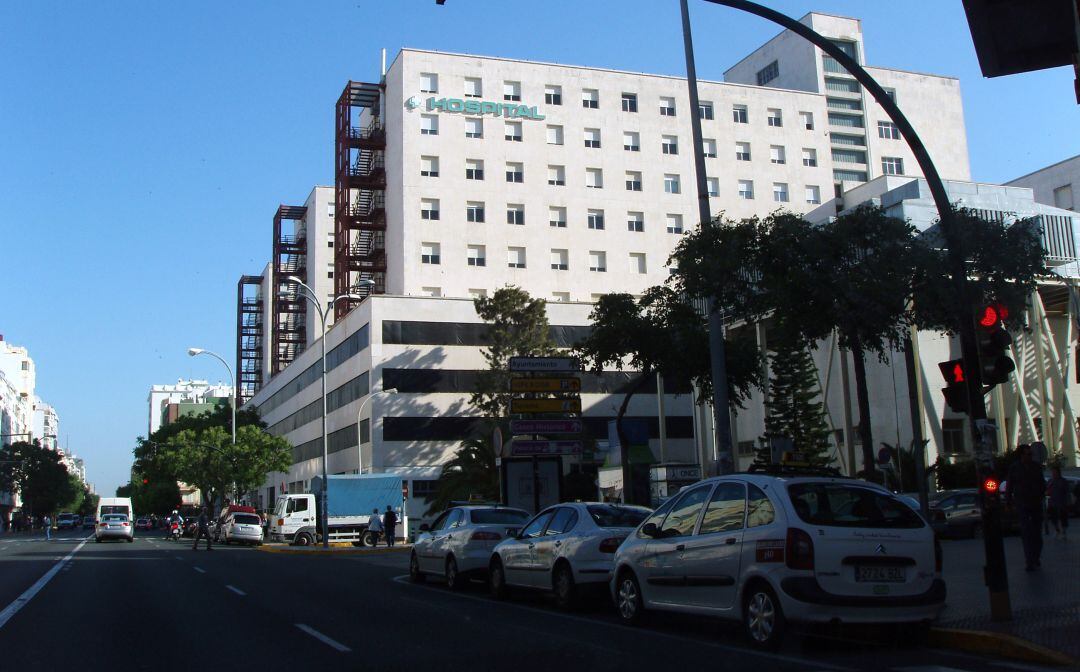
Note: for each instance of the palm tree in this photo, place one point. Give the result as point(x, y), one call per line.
point(471, 474)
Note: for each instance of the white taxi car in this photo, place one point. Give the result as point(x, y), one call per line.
point(563, 549)
point(458, 545)
point(769, 548)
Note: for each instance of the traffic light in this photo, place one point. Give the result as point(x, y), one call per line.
point(146, 481)
point(994, 363)
point(955, 390)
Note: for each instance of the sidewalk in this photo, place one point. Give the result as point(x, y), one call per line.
point(1045, 603)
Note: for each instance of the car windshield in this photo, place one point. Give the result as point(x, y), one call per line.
point(848, 505)
point(113, 518)
point(614, 515)
point(498, 517)
point(247, 519)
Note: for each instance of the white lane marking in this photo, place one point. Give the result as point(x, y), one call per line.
point(323, 638)
point(404, 580)
point(177, 557)
point(199, 570)
point(33, 590)
point(236, 590)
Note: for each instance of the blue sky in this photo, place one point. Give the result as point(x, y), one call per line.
point(144, 148)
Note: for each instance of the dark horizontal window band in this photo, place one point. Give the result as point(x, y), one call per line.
point(335, 399)
point(342, 439)
point(356, 342)
point(430, 381)
point(399, 332)
point(460, 429)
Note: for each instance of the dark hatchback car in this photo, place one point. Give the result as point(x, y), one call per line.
point(963, 519)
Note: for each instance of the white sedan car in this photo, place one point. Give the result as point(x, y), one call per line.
point(458, 545)
point(564, 548)
point(242, 528)
point(771, 548)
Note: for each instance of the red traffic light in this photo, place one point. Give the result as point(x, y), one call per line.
point(145, 481)
point(991, 485)
point(991, 315)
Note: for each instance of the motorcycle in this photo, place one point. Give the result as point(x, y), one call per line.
point(174, 531)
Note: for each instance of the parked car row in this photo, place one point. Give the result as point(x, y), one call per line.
point(767, 549)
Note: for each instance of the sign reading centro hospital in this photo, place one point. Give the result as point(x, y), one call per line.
point(476, 108)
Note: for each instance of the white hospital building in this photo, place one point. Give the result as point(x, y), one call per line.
point(458, 174)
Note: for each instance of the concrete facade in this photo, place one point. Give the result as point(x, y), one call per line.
point(931, 103)
point(183, 392)
point(425, 348)
point(1057, 184)
point(46, 424)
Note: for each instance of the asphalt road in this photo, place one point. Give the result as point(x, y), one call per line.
point(157, 605)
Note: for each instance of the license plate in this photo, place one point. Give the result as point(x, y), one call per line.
point(877, 574)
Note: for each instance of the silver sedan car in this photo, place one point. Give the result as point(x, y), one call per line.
point(242, 528)
point(114, 526)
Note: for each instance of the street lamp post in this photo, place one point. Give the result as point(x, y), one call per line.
point(322, 312)
point(359, 414)
point(193, 352)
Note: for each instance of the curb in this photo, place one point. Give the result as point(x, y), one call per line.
point(998, 644)
point(345, 550)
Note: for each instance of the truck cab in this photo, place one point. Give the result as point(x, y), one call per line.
point(291, 514)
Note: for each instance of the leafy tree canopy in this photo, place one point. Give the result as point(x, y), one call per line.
point(39, 476)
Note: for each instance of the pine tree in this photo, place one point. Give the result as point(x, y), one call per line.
point(794, 409)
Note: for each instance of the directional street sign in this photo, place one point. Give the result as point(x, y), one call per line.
point(567, 384)
point(545, 405)
point(545, 426)
point(519, 447)
point(544, 364)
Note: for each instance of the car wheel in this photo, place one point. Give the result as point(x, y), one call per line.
point(304, 539)
point(97, 539)
point(497, 580)
point(763, 619)
point(415, 575)
point(976, 531)
point(131, 540)
point(562, 582)
point(628, 601)
point(453, 579)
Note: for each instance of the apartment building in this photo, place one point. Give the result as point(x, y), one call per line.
point(166, 403)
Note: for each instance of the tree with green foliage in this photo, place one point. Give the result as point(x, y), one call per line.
point(855, 276)
point(39, 476)
point(149, 496)
point(1004, 262)
point(794, 409)
point(661, 333)
point(207, 459)
point(89, 503)
point(470, 474)
point(517, 327)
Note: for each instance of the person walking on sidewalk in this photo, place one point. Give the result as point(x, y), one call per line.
point(374, 526)
point(1025, 492)
point(1057, 492)
point(202, 530)
point(46, 522)
point(389, 522)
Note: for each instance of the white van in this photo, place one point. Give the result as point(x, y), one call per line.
point(115, 505)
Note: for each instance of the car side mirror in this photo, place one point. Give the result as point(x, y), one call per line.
point(425, 528)
point(650, 530)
